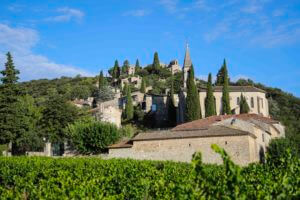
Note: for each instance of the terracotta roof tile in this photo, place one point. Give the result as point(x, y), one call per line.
point(212, 131)
point(204, 123)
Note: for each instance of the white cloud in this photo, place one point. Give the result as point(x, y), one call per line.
point(170, 5)
point(217, 31)
point(137, 13)
point(20, 41)
point(15, 7)
point(67, 14)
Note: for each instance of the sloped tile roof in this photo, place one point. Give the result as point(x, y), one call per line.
point(123, 144)
point(233, 88)
point(206, 122)
point(212, 131)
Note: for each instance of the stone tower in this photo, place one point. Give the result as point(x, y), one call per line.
point(186, 65)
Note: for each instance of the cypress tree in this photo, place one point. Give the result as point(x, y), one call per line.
point(171, 106)
point(9, 94)
point(125, 89)
point(221, 74)
point(129, 105)
point(125, 67)
point(116, 70)
point(225, 93)
point(143, 86)
point(156, 63)
point(244, 107)
point(101, 80)
point(137, 65)
point(193, 109)
point(209, 101)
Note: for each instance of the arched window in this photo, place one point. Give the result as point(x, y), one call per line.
point(252, 102)
point(238, 101)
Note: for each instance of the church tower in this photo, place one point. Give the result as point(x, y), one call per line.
point(186, 65)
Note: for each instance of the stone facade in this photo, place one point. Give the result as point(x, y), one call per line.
point(135, 81)
point(256, 99)
point(174, 67)
point(245, 140)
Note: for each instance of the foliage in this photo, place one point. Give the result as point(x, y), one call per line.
point(210, 105)
point(277, 150)
point(129, 105)
point(143, 86)
point(156, 64)
point(90, 137)
point(125, 67)
point(101, 81)
point(94, 178)
point(221, 74)
point(106, 93)
point(244, 107)
point(28, 136)
point(225, 92)
point(56, 115)
point(115, 72)
point(193, 110)
point(137, 66)
point(9, 93)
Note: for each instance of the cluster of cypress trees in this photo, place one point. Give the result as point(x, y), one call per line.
point(244, 107)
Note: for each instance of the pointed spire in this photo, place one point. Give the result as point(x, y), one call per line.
point(187, 58)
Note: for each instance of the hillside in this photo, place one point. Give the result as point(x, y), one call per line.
point(283, 106)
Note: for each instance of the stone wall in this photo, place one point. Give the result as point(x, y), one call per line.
point(240, 148)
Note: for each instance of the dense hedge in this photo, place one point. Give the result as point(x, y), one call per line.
point(94, 178)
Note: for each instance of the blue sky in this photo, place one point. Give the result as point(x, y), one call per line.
point(52, 38)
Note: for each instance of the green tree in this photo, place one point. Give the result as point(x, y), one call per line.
point(9, 94)
point(225, 92)
point(56, 115)
point(27, 136)
point(137, 66)
point(156, 63)
point(101, 81)
point(89, 136)
point(143, 86)
point(221, 74)
point(116, 70)
point(129, 105)
point(125, 67)
point(210, 108)
point(171, 106)
point(192, 110)
point(244, 107)
point(125, 89)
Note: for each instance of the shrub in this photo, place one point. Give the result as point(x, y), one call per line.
point(90, 137)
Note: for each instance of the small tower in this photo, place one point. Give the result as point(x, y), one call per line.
point(186, 65)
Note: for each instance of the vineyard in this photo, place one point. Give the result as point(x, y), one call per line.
point(94, 178)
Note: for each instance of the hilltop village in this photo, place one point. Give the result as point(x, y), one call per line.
point(188, 118)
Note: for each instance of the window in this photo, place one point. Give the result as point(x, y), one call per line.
point(144, 105)
point(153, 107)
point(238, 101)
point(263, 137)
point(252, 102)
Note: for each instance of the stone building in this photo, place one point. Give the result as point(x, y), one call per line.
point(255, 97)
point(135, 81)
point(244, 137)
point(108, 111)
point(174, 67)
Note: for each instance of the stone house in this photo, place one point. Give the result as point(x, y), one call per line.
point(108, 111)
point(135, 81)
point(174, 67)
point(244, 137)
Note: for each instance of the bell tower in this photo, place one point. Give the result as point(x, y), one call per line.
point(186, 65)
